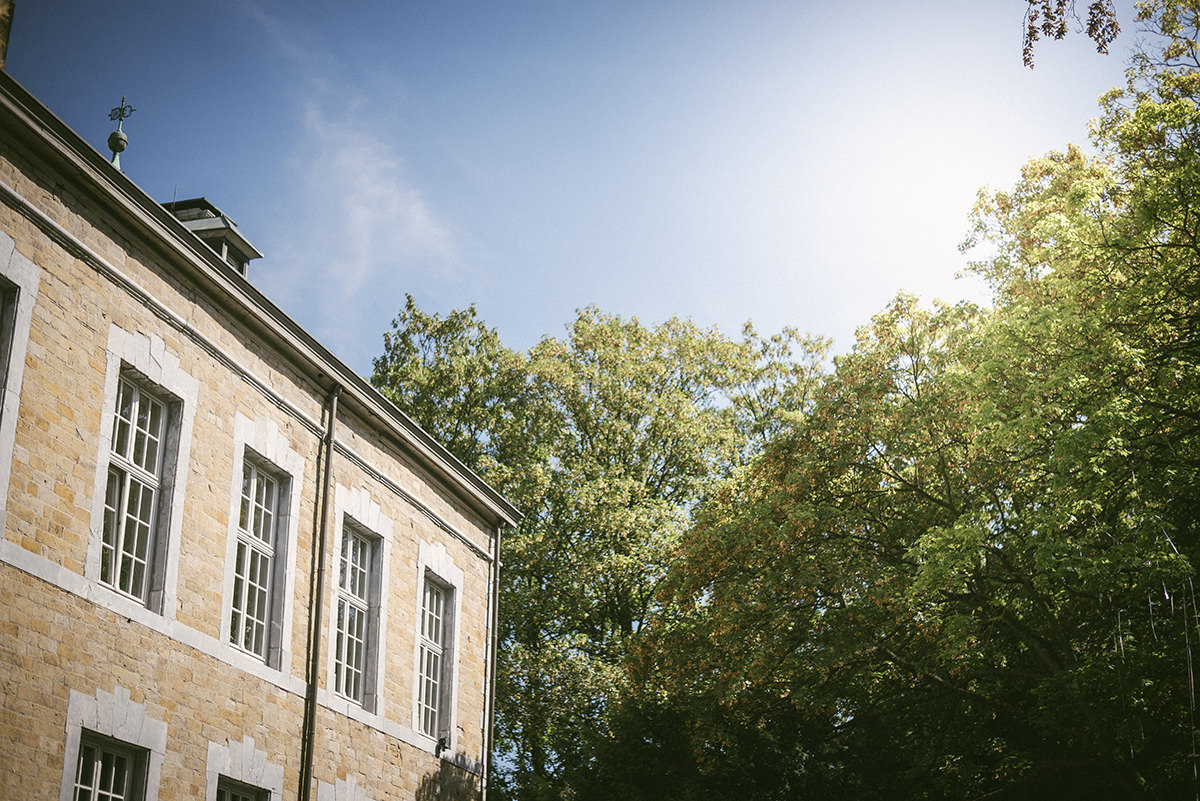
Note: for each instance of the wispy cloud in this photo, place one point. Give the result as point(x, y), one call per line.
point(355, 231)
point(362, 199)
point(294, 43)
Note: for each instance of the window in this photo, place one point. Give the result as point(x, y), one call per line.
point(19, 279)
point(432, 663)
point(8, 317)
point(358, 625)
point(439, 591)
point(114, 748)
point(260, 545)
point(237, 770)
point(109, 770)
point(253, 604)
point(357, 578)
point(141, 475)
point(133, 491)
point(229, 790)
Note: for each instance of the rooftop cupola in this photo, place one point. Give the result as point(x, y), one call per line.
point(216, 230)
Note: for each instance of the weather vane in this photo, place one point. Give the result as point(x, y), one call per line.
point(117, 140)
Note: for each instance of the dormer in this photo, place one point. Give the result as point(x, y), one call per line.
point(217, 231)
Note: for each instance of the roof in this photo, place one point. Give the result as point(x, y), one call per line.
point(25, 120)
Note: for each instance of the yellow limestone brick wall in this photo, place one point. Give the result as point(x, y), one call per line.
point(55, 638)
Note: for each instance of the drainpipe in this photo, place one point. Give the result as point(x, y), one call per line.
point(317, 592)
point(490, 715)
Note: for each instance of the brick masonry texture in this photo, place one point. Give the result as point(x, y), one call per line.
point(61, 630)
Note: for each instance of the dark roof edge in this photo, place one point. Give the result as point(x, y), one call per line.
point(143, 214)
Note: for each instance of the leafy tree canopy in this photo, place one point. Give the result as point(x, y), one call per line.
point(967, 571)
point(607, 439)
point(1053, 18)
point(956, 563)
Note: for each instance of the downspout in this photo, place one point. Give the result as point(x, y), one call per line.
point(493, 652)
point(317, 587)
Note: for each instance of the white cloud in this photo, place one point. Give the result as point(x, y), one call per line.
point(354, 232)
point(363, 215)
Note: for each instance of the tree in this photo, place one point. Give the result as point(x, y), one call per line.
point(607, 440)
point(1051, 18)
point(966, 570)
point(959, 565)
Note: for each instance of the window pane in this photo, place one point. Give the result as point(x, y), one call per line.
point(359, 567)
point(8, 313)
point(140, 428)
point(247, 491)
point(84, 780)
point(112, 521)
point(147, 433)
point(105, 773)
point(339, 657)
point(135, 537)
point(154, 425)
point(344, 562)
point(123, 418)
point(350, 658)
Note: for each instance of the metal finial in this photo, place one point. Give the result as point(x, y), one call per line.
point(117, 140)
point(121, 112)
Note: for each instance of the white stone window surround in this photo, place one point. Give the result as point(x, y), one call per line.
point(113, 715)
point(241, 761)
point(356, 508)
point(434, 560)
point(25, 275)
point(266, 444)
point(148, 356)
point(341, 790)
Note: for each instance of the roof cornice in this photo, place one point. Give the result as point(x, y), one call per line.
point(26, 121)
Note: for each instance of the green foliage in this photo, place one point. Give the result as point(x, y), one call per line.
point(1052, 18)
point(607, 439)
point(967, 571)
point(957, 565)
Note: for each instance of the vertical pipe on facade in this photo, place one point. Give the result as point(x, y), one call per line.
point(490, 714)
point(308, 735)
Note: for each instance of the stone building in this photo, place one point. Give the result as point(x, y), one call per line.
point(229, 568)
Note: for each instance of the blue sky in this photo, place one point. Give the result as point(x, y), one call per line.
point(793, 163)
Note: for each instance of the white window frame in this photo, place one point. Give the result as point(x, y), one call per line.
point(136, 467)
point(356, 574)
point(252, 605)
point(436, 635)
point(435, 565)
point(102, 772)
point(23, 276)
point(112, 717)
point(357, 514)
point(156, 369)
point(346, 789)
point(260, 445)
